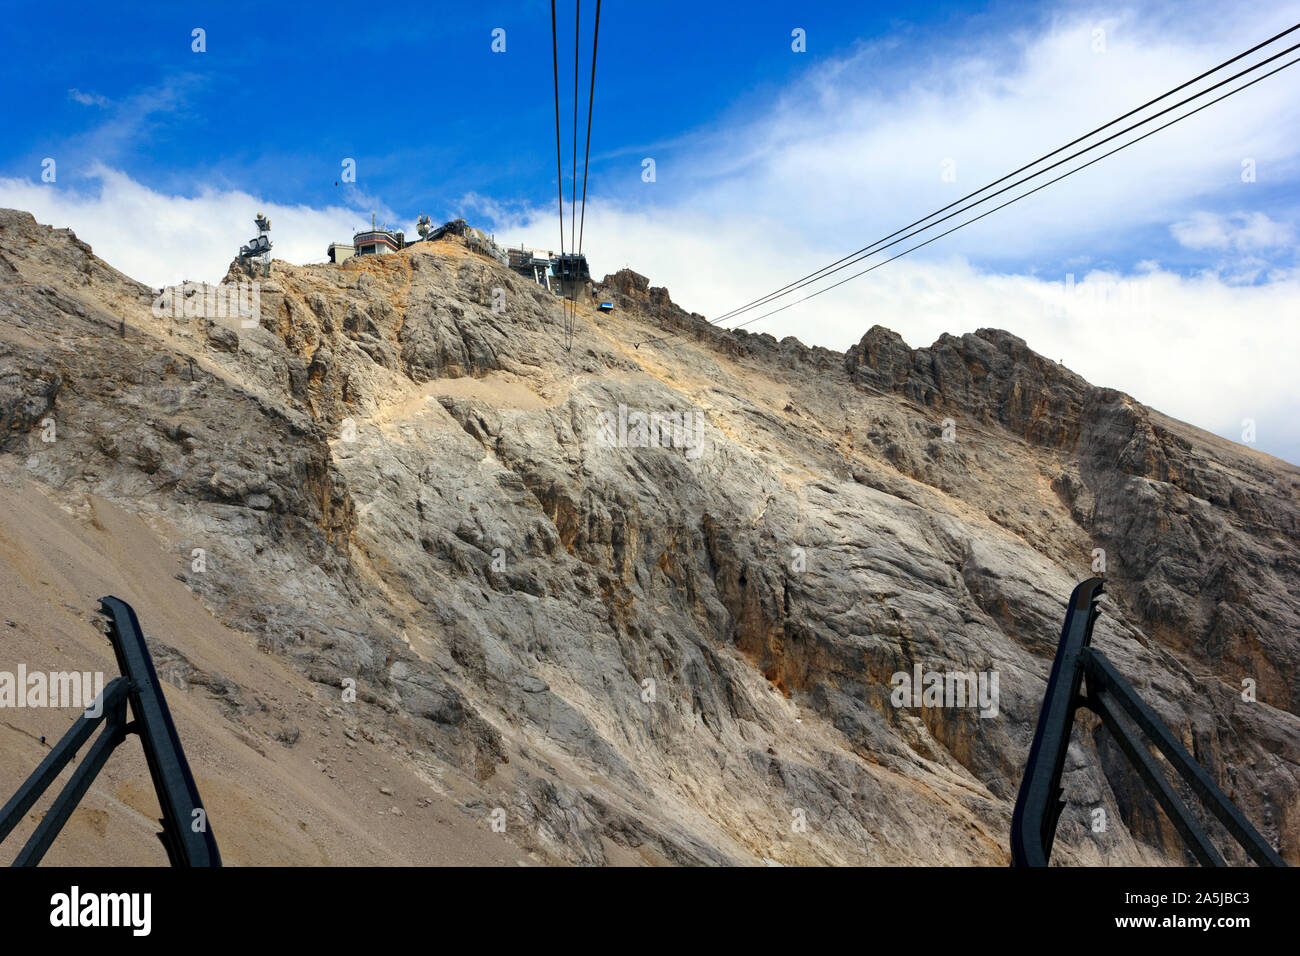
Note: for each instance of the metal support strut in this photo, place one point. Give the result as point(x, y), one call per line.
point(186, 834)
point(1113, 699)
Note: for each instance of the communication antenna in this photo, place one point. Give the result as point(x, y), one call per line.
point(259, 248)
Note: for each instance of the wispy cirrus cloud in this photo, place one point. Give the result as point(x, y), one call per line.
point(87, 99)
point(130, 121)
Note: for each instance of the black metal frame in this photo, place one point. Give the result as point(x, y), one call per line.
point(174, 784)
point(572, 267)
point(1110, 697)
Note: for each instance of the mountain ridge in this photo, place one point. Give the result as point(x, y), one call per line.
point(828, 538)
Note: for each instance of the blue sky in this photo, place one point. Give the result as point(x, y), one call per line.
point(769, 163)
point(413, 92)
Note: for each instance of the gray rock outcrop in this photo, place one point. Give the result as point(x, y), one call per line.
point(680, 641)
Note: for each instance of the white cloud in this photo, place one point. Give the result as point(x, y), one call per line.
point(852, 152)
point(162, 240)
point(1242, 232)
point(87, 99)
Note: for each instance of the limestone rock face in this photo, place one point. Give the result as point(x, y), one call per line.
point(656, 597)
point(1202, 533)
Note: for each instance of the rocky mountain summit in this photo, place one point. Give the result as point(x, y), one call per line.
point(656, 598)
